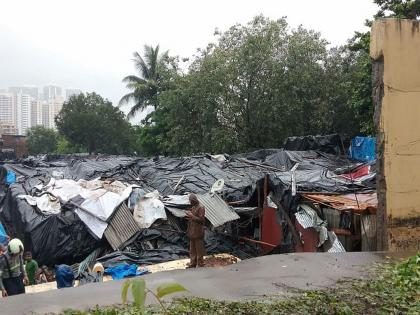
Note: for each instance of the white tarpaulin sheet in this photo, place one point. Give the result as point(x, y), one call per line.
point(149, 209)
point(100, 200)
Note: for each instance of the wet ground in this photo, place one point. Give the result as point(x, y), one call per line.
point(258, 278)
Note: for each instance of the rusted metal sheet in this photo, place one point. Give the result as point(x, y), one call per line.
point(309, 239)
point(359, 203)
point(271, 231)
point(121, 227)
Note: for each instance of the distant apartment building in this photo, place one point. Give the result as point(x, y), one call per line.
point(7, 112)
point(50, 109)
point(23, 113)
point(51, 92)
point(36, 113)
point(45, 120)
point(32, 91)
point(71, 92)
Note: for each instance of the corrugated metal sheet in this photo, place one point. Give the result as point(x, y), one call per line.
point(121, 227)
point(217, 211)
point(336, 246)
point(357, 202)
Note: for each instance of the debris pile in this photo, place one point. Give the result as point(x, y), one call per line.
point(79, 210)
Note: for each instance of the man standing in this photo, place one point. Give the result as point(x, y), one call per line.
point(12, 271)
point(195, 232)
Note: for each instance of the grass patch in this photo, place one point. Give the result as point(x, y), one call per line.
point(394, 289)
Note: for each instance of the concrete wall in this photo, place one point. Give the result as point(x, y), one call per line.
point(395, 49)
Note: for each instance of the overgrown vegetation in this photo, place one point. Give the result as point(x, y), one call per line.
point(255, 85)
point(393, 289)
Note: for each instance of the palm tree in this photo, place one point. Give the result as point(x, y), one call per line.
point(145, 87)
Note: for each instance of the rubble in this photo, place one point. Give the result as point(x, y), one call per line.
point(79, 210)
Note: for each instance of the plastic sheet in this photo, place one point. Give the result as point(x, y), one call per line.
point(3, 235)
point(52, 239)
point(64, 238)
point(328, 143)
point(122, 271)
point(11, 177)
point(64, 276)
point(149, 209)
point(363, 149)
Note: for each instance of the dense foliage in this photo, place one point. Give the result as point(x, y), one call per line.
point(41, 140)
point(257, 84)
point(91, 122)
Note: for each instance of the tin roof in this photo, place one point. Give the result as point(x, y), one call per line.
point(217, 211)
point(121, 227)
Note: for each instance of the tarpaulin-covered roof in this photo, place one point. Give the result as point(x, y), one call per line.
point(64, 238)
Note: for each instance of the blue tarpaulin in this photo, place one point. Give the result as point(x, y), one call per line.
point(64, 276)
point(122, 271)
point(11, 177)
point(3, 236)
point(363, 149)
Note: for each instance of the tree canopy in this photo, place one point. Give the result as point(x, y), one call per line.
point(90, 121)
point(41, 140)
point(257, 84)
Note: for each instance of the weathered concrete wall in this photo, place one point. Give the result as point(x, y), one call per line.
point(395, 48)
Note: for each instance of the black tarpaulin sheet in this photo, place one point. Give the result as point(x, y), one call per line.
point(171, 246)
point(308, 160)
point(53, 239)
point(63, 238)
point(328, 143)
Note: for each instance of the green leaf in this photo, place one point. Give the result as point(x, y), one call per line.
point(125, 287)
point(138, 289)
point(169, 288)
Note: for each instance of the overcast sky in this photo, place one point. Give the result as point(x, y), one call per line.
point(88, 44)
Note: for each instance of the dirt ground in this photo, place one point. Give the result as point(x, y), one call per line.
point(220, 261)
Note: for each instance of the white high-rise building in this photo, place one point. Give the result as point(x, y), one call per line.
point(7, 108)
point(29, 90)
point(51, 92)
point(23, 113)
point(53, 108)
point(45, 114)
point(36, 113)
point(71, 92)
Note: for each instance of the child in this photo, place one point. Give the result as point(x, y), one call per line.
point(31, 267)
point(41, 275)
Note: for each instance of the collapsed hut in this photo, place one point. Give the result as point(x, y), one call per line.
point(78, 210)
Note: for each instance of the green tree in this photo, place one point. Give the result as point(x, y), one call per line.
point(258, 84)
point(64, 147)
point(406, 9)
point(41, 140)
point(95, 124)
point(154, 71)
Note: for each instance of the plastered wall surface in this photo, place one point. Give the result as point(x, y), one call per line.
point(397, 43)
